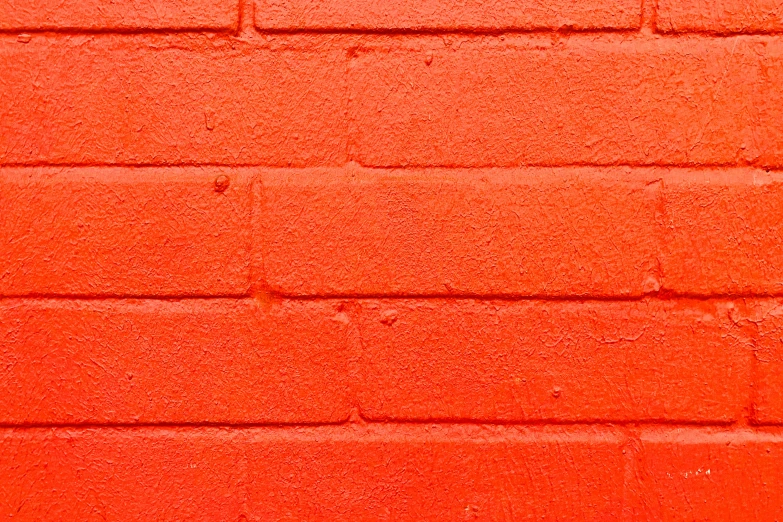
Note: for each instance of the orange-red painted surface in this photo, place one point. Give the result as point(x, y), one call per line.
point(720, 16)
point(117, 15)
point(399, 260)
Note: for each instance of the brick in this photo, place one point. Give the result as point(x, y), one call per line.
point(722, 231)
point(553, 361)
point(120, 474)
point(720, 16)
point(162, 100)
point(581, 100)
point(437, 473)
point(547, 232)
point(378, 473)
point(193, 361)
point(768, 100)
point(115, 231)
point(118, 14)
point(767, 318)
point(442, 15)
point(707, 474)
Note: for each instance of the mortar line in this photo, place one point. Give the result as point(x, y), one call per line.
point(272, 296)
point(727, 426)
point(232, 32)
point(402, 168)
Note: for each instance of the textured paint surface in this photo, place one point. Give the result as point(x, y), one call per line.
point(555, 232)
point(138, 361)
point(703, 474)
point(384, 101)
point(117, 14)
point(527, 100)
point(723, 231)
point(537, 360)
point(503, 232)
point(271, 260)
point(125, 231)
point(768, 361)
point(444, 15)
point(162, 99)
point(720, 16)
point(337, 473)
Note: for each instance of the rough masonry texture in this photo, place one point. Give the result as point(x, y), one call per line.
point(398, 260)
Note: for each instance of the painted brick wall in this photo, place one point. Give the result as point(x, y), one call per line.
point(395, 260)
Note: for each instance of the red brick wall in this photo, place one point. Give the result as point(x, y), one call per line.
point(392, 260)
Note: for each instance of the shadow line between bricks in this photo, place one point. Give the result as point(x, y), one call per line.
point(246, 27)
point(272, 297)
point(667, 424)
point(353, 163)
